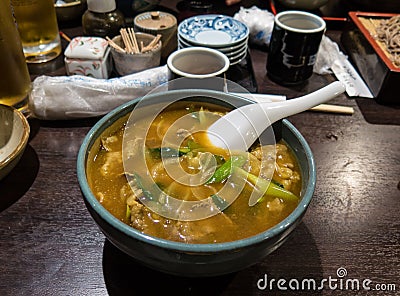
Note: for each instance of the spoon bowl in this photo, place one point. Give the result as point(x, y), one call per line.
point(240, 128)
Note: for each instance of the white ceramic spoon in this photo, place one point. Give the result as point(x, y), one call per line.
point(240, 128)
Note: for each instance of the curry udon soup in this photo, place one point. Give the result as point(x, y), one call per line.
point(272, 170)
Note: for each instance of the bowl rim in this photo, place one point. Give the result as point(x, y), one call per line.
point(24, 139)
point(283, 14)
point(201, 49)
point(89, 197)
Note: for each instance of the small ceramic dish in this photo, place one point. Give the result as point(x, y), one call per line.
point(234, 57)
point(236, 52)
point(213, 30)
point(238, 55)
point(69, 10)
point(14, 134)
point(238, 59)
point(244, 43)
point(226, 50)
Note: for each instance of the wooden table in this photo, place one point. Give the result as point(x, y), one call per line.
point(49, 244)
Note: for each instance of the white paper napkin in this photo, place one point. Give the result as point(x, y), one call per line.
point(331, 60)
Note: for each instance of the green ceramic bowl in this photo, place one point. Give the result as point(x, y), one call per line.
point(195, 260)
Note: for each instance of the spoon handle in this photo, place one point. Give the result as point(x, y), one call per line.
point(241, 127)
point(279, 110)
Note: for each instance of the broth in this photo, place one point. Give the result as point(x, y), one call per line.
point(105, 173)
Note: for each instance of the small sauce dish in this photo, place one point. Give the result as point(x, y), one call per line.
point(14, 135)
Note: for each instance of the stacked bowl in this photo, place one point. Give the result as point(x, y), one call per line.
point(219, 32)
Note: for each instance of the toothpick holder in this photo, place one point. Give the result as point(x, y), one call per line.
point(126, 63)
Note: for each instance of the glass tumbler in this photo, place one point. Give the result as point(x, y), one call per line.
point(38, 29)
point(15, 82)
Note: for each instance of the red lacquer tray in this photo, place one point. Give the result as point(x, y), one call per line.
point(370, 55)
point(366, 23)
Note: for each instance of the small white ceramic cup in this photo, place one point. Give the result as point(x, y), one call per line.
point(197, 67)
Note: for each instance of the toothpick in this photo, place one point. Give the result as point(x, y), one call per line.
point(152, 44)
point(134, 41)
point(155, 40)
point(125, 38)
point(115, 45)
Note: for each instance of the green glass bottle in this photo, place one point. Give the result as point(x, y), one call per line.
point(102, 18)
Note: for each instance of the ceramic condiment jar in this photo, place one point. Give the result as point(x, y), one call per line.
point(158, 22)
point(88, 56)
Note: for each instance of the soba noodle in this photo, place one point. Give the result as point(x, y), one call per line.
point(388, 32)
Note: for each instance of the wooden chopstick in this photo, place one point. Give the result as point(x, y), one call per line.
point(65, 36)
point(333, 109)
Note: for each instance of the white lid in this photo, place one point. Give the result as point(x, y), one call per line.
point(101, 6)
point(89, 48)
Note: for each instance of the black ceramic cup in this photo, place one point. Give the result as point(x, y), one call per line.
point(293, 48)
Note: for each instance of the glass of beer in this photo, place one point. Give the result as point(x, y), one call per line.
point(38, 29)
point(15, 82)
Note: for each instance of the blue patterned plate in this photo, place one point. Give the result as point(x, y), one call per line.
point(213, 30)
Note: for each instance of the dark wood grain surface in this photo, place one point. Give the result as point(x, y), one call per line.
point(49, 244)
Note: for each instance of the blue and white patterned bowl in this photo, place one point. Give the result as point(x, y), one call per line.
point(213, 30)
